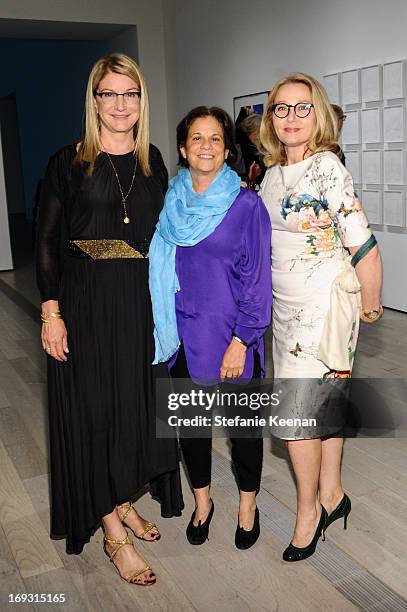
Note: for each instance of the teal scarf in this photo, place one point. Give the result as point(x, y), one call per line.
point(186, 219)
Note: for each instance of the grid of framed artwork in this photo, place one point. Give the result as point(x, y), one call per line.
point(374, 137)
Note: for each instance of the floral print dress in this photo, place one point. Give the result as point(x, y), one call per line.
point(315, 215)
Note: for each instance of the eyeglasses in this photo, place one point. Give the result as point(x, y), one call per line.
point(110, 97)
point(301, 110)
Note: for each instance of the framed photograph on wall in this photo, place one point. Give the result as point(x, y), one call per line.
point(394, 167)
point(371, 83)
point(393, 208)
point(249, 104)
point(350, 87)
point(331, 84)
point(372, 203)
point(393, 80)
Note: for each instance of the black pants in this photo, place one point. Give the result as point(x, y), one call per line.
point(247, 453)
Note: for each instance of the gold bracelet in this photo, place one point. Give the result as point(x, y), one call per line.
point(46, 317)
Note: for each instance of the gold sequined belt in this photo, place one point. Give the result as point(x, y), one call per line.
point(108, 249)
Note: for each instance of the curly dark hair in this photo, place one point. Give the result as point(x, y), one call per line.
point(221, 117)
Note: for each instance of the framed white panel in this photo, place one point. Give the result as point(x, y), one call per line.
point(350, 87)
point(351, 128)
point(372, 167)
point(371, 78)
point(372, 203)
point(394, 167)
point(393, 80)
point(393, 124)
point(393, 208)
point(371, 125)
point(331, 84)
point(353, 165)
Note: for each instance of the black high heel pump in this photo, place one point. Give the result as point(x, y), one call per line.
point(245, 539)
point(294, 553)
point(199, 534)
point(342, 510)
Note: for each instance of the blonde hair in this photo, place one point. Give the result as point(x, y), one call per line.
point(250, 124)
point(91, 145)
point(325, 135)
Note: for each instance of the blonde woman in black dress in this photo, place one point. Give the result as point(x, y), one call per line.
point(100, 202)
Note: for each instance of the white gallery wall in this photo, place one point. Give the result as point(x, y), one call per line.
point(232, 48)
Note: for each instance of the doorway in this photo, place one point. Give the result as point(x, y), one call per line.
point(42, 93)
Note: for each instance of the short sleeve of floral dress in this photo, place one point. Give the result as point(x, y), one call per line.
point(315, 214)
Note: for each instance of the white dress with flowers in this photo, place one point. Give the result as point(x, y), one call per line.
point(314, 215)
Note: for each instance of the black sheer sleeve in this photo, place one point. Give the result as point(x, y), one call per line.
point(158, 168)
point(50, 231)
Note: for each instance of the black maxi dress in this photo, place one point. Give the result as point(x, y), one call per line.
point(102, 400)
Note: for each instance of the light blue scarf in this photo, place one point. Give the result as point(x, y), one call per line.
point(186, 219)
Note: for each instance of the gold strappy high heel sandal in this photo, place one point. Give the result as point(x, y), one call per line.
point(127, 507)
point(131, 577)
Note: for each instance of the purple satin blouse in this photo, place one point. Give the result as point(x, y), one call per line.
point(225, 290)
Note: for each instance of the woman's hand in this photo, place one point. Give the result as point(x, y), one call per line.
point(369, 273)
point(54, 336)
point(254, 171)
point(371, 319)
point(233, 360)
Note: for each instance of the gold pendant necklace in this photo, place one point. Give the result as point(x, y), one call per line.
point(126, 218)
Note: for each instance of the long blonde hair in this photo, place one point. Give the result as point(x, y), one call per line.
point(325, 136)
point(91, 145)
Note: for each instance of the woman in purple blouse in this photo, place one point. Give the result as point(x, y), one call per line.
point(210, 281)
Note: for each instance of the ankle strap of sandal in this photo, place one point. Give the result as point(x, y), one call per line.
point(119, 544)
point(128, 509)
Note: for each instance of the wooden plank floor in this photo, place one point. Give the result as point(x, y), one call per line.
point(215, 576)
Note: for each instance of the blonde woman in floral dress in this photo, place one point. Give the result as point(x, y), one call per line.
point(317, 222)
